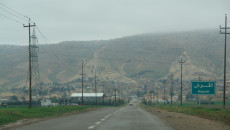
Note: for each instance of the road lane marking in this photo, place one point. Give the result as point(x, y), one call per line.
point(98, 123)
point(91, 127)
point(102, 119)
point(107, 116)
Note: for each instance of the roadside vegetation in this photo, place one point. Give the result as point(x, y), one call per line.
point(208, 112)
point(14, 114)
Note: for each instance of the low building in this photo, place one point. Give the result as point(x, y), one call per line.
point(47, 103)
point(3, 102)
point(88, 97)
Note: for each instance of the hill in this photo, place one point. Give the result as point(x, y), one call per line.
point(127, 60)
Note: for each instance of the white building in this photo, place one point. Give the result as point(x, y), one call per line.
point(87, 96)
point(3, 101)
point(47, 103)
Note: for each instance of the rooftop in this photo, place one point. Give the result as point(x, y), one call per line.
point(87, 95)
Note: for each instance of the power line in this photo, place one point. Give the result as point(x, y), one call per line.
point(13, 14)
point(227, 10)
point(43, 36)
point(14, 11)
point(48, 52)
point(46, 40)
point(11, 19)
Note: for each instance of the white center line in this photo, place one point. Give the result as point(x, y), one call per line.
point(102, 119)
point(107, 116)
point(91, 127)
point(97, 122)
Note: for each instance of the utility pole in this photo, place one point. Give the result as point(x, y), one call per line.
point(164, 90)
point(171, 88)
point(115, 94)
point(96, 87)
point(30, 75)
point(225, 51)
point(48, 92)
point(181, 62)
point(115, 97)
point(82, 79)
point(157, 96)
point(146, 92)
point(103, 92)
point(152, 99)
point(198, 96)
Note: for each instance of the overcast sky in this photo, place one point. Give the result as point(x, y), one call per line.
point(61, 20)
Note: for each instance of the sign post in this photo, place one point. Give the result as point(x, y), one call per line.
point(203, 87)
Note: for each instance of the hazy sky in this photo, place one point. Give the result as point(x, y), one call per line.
point(62, 20)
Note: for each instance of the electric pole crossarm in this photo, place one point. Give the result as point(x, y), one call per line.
point(224, 27)
point(29, 25)
point(224, 32)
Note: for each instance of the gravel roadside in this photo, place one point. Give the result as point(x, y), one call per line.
point(180, 121)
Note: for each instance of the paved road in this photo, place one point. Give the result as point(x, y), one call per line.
point(132, 118)
point(126, 118)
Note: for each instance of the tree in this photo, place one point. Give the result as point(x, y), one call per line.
point(14, 98)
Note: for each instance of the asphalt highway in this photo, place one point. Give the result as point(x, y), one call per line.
point(125, 118)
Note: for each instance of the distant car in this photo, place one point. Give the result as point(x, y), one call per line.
point(131, 104)
point(73, 104)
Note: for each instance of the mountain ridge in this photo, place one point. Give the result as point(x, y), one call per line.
point(129, 59)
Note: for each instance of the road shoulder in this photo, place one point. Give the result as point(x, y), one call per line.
point(182, 121)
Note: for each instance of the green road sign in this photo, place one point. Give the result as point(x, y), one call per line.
point(203, 87)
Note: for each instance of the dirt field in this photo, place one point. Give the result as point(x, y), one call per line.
point(181, 121)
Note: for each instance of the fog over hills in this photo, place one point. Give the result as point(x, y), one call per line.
point(128, 59)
